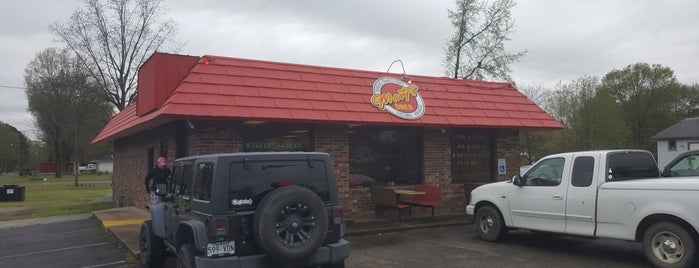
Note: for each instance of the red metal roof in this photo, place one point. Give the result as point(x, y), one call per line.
point(242, 89)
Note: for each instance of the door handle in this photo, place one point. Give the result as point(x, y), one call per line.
point(557, 197)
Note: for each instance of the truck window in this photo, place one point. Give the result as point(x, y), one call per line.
point(546, 173)
point(583, 168)
point(202, 181)
point(631, 165)
point(687, 166)
point(182, 178)
point(248, 184)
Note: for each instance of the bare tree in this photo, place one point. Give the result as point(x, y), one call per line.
point(112, 39)
point(477, 49)
point(63, 101)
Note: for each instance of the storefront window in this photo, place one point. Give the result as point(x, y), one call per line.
point(472, 156)
point(384, 156)
point(273, 137)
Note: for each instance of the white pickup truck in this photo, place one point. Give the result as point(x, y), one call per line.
point(612, 194)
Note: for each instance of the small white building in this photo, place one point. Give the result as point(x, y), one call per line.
point(105, 164)
point(677, 139)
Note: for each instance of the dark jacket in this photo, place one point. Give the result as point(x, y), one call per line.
point(158, 175)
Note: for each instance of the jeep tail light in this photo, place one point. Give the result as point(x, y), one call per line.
point(220, 227)
point(338, 217)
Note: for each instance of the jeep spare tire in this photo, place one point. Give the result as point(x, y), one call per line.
point(290, 223)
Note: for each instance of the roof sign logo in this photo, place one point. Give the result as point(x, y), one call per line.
point(398, 98)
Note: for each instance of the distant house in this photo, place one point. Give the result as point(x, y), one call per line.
point(677, 139)
point(105, 164)
point(52, 167)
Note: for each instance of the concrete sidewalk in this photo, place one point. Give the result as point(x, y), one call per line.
point(125, 225)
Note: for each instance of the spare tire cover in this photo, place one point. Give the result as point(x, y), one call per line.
point(290, 223)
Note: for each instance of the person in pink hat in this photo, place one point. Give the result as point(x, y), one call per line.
point(160, 176)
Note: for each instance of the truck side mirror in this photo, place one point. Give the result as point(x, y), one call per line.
point(517, 180)
point(666, 172)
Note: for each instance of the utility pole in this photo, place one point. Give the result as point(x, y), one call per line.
point(75, 151)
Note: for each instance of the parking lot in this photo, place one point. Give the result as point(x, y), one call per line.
point(83, 244)
point(460, 247)
point(71, 244)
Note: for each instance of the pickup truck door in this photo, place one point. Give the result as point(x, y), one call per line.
point(539, 204)
point(580, 204)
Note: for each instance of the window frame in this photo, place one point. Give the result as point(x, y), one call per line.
point(266, 137)
point(490, 147)
point(179, 178)
point(577, 175)
point(552, 177)
point(199, 174)
point(409, 163)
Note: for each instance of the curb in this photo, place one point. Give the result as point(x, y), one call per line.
point(114, 237)
point(402, 228)
point(123, 229)
point(46, 220)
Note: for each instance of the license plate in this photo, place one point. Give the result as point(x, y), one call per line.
point(220, 248)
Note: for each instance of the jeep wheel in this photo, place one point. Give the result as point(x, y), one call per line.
point(151, 246)
point(667, 244)
point(290, 223)
point(185, 257)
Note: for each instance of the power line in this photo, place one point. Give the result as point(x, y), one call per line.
point(12, 87)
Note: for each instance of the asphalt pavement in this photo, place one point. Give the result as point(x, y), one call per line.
point(125, 225)
point(446, 241)
point(64, 242)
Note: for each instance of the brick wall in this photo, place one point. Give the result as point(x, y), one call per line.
point(334, 140)
point(508, 148)
point(207, 137)
point(212, 137)
point(131, 167)
point(131, 153)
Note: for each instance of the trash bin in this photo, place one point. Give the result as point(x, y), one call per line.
point(3, 196)
point(20, 193)
point(13, 192)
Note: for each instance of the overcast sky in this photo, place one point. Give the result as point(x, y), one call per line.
point(565, 39)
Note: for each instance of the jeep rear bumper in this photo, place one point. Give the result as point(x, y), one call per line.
point(331, 253)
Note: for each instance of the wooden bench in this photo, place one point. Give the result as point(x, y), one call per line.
point(387, 198)
point(430, 199)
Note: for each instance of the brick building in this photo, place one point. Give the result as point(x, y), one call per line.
point(380, 128)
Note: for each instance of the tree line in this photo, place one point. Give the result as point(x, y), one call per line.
point(621, 110)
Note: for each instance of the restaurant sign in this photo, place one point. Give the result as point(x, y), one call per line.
point(398, 98)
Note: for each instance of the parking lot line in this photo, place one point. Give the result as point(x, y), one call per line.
point(53, 250)
point(105, 264)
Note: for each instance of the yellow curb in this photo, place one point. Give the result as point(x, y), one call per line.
point(122, 222)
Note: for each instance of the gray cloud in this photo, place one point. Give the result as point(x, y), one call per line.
point(565, 39)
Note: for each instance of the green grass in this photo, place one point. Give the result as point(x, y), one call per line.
point(48, 196)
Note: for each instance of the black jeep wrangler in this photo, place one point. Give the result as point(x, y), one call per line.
point(248, 210)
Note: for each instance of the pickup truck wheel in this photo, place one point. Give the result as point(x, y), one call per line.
point(667, 244)
point(290, 223)
point(151, 246)
point(491, 226)
point(185, 257)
